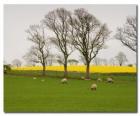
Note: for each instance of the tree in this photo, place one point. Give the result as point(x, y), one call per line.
point(7, 68)
point(104, 62)
point(89, 35)
point(130, 65)
point(112, 61)
point(57, 22)
point(128, 33)
point(97, 61)
point(29, 62)
point(82, 59)
point(100, 61)
point(16, 62)
point(60, 59)
point(121, 58)
point(72, 62)
point(39, 52)
point(50, 59)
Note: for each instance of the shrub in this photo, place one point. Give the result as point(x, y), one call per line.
point(7, 68)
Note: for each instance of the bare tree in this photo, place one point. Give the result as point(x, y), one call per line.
point(97, 61)
point(50, 59)
point(104, 62)
point(57, 21)
point(121, 58)
point(128, 33)
point(112, 61)
point(100, 61)
point(73, 62)
point(29, 63)
point(16, 62)
point(60, 59)
point(82, 59)
point(39, 52)
point(89, 35)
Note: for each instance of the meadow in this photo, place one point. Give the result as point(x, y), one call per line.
point(24, 93)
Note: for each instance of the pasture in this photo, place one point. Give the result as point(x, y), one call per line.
point(23, 93)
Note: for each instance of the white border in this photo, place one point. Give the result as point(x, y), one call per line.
point(69, 1)
point(2, 2)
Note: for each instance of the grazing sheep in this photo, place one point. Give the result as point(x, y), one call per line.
point(64, 81)
point(99, 80)
point(94, 86)
point(83, 78)
point(42, 80)
point(110, 80)
point(34, 77)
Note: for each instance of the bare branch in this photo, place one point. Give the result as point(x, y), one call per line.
point(128, 33)
point(88, 35)
point(121, 58)
point(57, 21)
point(39, 52)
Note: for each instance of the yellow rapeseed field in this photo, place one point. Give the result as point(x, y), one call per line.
point(93, 69)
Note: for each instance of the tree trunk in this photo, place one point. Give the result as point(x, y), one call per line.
point(44, 68)
point(87, 71)
point(65, 69)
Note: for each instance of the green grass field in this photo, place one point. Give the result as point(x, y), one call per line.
point(25, 94)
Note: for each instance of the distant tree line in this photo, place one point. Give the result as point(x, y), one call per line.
point(120, 59)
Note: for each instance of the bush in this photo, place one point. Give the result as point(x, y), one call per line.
point(7, 68)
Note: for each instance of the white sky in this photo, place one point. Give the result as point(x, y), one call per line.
point(17, 18)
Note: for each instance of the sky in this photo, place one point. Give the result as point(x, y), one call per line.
point(18, 18)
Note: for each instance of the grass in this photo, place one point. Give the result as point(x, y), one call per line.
point(25, 94)
point(75, 75)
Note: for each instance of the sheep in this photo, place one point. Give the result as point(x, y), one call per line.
point(34, 77)
point(42, 80)
point(83, 78)
point(93, 87)
point(110, 80)
point(64, 81)
point(99, 80)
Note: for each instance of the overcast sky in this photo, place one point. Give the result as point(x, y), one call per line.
point(17, 19)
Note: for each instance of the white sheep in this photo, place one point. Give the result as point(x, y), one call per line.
point(64, 81)
point(83, 78)
point(110, 80)
point(99, 80)
point(34, 77)
point(93, 86)
point(42, 80)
